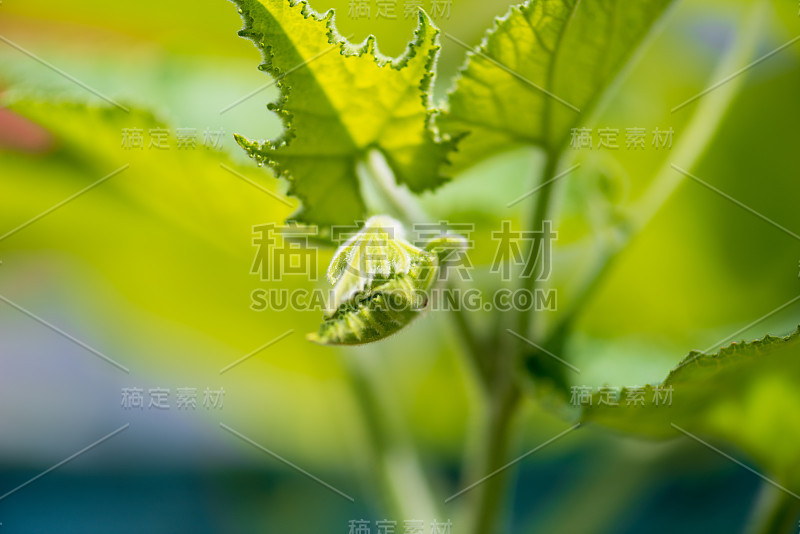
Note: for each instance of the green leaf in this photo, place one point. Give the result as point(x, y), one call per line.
point(179, 214)
point(339, 101)
point(747, 394)
point(539, 72)
point(90, 142)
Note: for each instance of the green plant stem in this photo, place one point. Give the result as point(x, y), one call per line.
point(776, 512)
point(696, 137)
point(705, 122)
point(472, 344)
point(701, 129)
point(502, 393)
point(487, 497)
point(505, 395)
point(407, 209)
point(609, 255)
point(538, 216)
point(399, 201)
point(394, 461)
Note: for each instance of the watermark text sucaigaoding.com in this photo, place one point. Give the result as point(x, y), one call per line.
point(436, 299)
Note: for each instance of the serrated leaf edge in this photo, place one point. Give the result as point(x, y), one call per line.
point(259, 150)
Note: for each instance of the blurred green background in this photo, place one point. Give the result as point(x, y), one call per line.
point(152, 269)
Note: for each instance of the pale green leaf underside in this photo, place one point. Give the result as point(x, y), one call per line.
point(338, 102)
point(747, 394)
point(539, 71)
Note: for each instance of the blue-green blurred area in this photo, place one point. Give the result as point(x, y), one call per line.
point(551, 494)
point(152, 269)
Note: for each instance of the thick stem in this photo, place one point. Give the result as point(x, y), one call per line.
point(395, 466)
point(777, 512)
point(488, 497)
point(538, 216)
point(538, 362)
point(505, 394)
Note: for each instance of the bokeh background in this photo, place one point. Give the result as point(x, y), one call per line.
point(152, 269)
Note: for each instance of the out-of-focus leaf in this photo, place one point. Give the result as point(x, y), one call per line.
point(153, 267)
point(540, 70)
point(747, 394)
point(338, 102)
point(96, 140)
